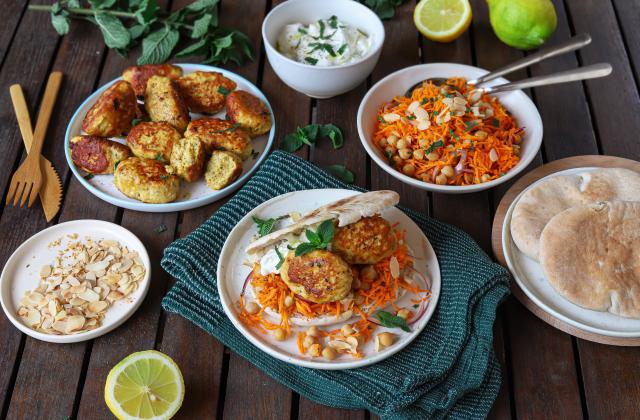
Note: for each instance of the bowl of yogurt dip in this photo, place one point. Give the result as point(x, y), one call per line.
point(322, 48)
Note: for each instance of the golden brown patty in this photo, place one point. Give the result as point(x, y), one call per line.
point(187, 159)
point(366, 241)
point(217, 134)
point(139, 75)
point(97, 155)
point(222, 169)
point(204, 91)
point(112, 114)
point(248, 111)
point(163, 102)
point(146, 180)
point(153, 140)
point(319, 276)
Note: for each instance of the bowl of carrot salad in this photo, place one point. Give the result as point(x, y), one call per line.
point(448, 137)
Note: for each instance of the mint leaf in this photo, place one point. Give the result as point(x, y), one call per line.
point(392, 321)
point(291, 143)
point(313, 237)
point(265, 226)
point(60, 23)
point(102, 4)
point(342, 173)
point(304, 248)
point(158, 45)
point(201, 26)
point(334, 133)
point(113, 31)
point(198, 48)
point(325, 232)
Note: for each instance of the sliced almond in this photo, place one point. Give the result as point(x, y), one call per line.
point(97, 306)
point(394, 267)
point(45, 271)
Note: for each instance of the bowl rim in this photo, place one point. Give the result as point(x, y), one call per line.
point(372, 52)
point(535, 142)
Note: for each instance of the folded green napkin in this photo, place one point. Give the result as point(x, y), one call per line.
point(449, 370)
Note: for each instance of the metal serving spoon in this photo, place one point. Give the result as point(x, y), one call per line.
point(569, 45)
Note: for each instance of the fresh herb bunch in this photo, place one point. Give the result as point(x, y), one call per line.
point(392, 321)
point(157, 31)
point(265, 226)
point(320, 239)
point(310, 134)
point(385, 9)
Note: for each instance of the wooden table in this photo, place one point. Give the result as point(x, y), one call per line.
point(546, 373)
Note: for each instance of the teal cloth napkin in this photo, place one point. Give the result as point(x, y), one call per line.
point(449, 370)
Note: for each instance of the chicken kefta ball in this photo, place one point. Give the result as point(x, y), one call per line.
point(367, 241)
point(112, 114)
point(319, 276)
point(146, 180)
point(153, 140)
point(163, 102)
point(250, 112)
point(97, 155)
point(204, 91)
point(139, 75)
point(217, 134)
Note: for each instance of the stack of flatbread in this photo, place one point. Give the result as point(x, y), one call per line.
point(584, 229)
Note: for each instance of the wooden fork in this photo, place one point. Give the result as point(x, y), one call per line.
point(27, 180)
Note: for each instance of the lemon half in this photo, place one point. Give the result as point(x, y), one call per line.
point(442, 20)
point(144, 385)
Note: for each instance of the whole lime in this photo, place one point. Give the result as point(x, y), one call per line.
point(523, 24)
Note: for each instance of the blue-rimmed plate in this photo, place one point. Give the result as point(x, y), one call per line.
point(192, 195)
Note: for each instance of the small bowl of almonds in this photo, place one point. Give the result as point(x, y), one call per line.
point(75, 281)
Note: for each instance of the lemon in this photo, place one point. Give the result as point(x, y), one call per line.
point(442, 20)
point(144, 385)
point(523, 24)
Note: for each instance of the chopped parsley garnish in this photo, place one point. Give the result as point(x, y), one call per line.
point(470, 124)
point(322, 28)
point(224, 91)
point(159, 157)
point(311, 60)
point(342, 49)
point(495, 122)
point(453, 134)
point(234, 127)
point(302, 31)
point(333, 22)
point(411, 117)
point(434, 146)
point(280, 258)
point(322, 46)
point(254, 154)
point(424, 101)
point(160, 228)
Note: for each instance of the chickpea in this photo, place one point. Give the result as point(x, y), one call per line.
point(288, 301)
point(517, 140)
point(390, 150)
point(404, 313)
point(397, 160)
point(309, 341)
point(392, 140)
point(329, 353)
point(448, 171)
point(252, 308)
point(383, 142)
point(386, 338)
point(347, 330)
point(433, 156)
point(313, 332)
point(424, 143)
point(485, 178)
point(405, 153)
point(402, 144)
point(409, 169)
point(441, 179)
point(280, 334)
point(369, 272)
point(315, 350)
point(418, 154)
point(426, 178)
point(481, 134)
point(516, 150)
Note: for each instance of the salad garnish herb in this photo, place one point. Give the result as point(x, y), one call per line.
point(280, 258)
point(392, 321)
point(342, 173)
point(434, 146)
point(320, 239)
point(310, 134)
point(265, 226)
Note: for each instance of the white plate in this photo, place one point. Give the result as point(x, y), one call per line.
point(193, 194)
point(397, 83)
point(530, 278)
point(21, 273)
point(232, 274)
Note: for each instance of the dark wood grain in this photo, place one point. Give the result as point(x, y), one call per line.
point(12, 10)
point(629, 20)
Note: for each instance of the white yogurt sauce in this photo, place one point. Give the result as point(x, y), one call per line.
point(327, 42)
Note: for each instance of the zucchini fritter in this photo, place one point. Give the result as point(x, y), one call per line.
point(205, 91)
point(319, 276)
point(217, 134)
point(153, 140)
point(139, 75)
point(97, 155)
point(146, 180)
point(367, 241)
point(112, 114)
point(187, 159)
point(163, 102)
point(222, 169)
point(248, 111)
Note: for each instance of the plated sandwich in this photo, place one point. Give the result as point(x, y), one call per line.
point(330, 278)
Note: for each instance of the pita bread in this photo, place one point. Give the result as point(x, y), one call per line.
point(346, 211)
point(539, 204)
point(591, 256)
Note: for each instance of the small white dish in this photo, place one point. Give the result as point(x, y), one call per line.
point(396, 84)
point(192, 194)
point(21, 273)
point(529, 276)
point(232, 273)
point(322, 82)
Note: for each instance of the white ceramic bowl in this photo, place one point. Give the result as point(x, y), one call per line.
point(322, 82)
point(396, 84)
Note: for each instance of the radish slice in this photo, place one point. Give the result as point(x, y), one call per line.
point(246, 282)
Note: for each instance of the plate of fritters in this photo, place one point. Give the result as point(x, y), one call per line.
point(169, 137)
point(329, 278)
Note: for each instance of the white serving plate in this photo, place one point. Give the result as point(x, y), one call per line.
point(21, 273)
point(530, 278)
point(232, 274)
point(397, 83)
point(193, 194)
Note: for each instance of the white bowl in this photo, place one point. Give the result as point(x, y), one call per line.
point(322, 82)
point(396, 84)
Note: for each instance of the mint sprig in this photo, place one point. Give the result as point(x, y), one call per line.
point(392, 321)
point(320, 239)
point(310, 134)
point(265, 226)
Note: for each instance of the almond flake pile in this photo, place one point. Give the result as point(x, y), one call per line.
point(76, 291)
